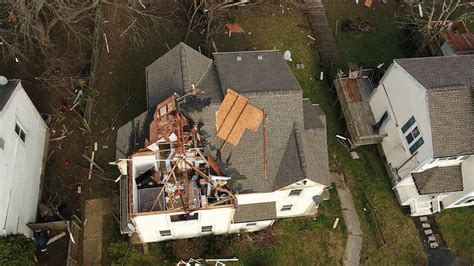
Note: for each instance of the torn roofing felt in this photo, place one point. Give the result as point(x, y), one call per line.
point(279, 94)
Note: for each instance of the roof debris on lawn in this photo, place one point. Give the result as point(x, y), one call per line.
point(234, 28)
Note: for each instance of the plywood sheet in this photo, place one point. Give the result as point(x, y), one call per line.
point(235, 115)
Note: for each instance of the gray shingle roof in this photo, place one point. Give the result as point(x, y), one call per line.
point(440, 71)
point(174, 72)
point(250, 74)
point(7, 91)
point(439, 179)
point(285, 109)
point(452, 120)
point(255, 212)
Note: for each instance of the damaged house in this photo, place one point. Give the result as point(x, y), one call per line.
point(226, 145)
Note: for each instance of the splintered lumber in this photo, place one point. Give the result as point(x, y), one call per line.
point(56, 237)
point(93, 163)
point(92, 160)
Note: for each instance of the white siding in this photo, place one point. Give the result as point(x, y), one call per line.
point(299, 203)
point(149, 226)
point(467, 169)
point(21, 164)
point(407, 98)
point(220, 219)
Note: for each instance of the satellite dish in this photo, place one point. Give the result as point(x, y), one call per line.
point(318, 199)
point(287, 55)
point(3, 81)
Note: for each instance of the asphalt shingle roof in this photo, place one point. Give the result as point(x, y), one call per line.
point(255, 212)
point(449, 81)
point(440, 71)
point(296, 129)
point(439, 179)
point(174, 72)
point(452, 120)
point(251, 74)
point(7, 91)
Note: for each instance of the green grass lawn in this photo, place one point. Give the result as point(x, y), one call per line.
point(458, 231)
point(367, 175)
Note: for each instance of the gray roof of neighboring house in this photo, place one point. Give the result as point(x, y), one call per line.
point(174, 72)
point(439, 179)
point(7, 91)
point(295, 133)
point(255, 212)
point(449, 81)
point(251, 74)
point(440, 71)
point(452, 120)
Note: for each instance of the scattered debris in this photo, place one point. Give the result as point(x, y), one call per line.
point(56, 237)
point(368, 3)
point(311, 37)
point(287, 56)
point(299, 66)
point(234, 28)
point(106, 42)
point(336, 222)
point(92, 160)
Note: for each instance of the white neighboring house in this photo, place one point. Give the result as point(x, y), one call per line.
point(426, 108)
point(23, 145)
point(296, 141)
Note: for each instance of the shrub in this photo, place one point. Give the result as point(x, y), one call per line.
point(16, 250)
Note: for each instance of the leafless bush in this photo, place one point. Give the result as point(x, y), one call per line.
point(434, 19)
point(28, 28)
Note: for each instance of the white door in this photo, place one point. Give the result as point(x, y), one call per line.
point(435, 204)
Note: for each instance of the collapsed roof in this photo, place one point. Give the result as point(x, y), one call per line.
point(295, 129)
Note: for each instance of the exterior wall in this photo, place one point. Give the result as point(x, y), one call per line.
point(21, 164)
point(149, 226)
point(455, 199)
point(300, 204)
point(407, 98)
point(220, 219)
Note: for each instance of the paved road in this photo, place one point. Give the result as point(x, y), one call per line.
point(351, 219)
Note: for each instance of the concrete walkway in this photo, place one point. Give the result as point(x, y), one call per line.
point(93, 229)
point(354, 240)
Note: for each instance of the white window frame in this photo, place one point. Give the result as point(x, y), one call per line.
point(285, 207)
point(300, 190)
point(21, 130)
point(207, 229)
point(408, 132)
point(166, 235)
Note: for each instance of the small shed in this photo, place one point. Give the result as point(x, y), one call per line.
point(353, 91)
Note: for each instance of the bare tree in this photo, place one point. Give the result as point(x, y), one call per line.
point(427, 22)
point(29, 25)
point(199, 14)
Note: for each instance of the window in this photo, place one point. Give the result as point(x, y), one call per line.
point(251, 224)
point(286, 207)
point(295, 192)
point(206, 229)
point(20, 132)
point(382, 121)
point(165, 233)
point(408, 124)
point(183, 217)
point(412, 135)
